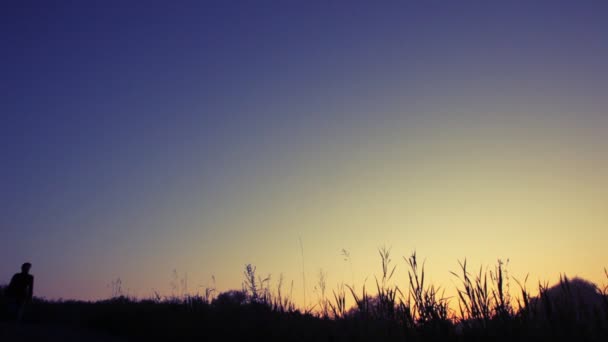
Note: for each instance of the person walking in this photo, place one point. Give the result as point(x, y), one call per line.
point(20, 291)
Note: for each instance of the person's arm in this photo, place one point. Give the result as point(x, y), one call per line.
point(10, 291)
point(30, 292)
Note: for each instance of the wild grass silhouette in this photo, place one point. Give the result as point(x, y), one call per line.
point(417, 311)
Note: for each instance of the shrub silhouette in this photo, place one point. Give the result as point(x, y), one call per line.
point(572, 307)
point(230, 299)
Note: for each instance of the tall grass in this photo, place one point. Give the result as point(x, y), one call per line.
point(414, 310)
point(428, 301)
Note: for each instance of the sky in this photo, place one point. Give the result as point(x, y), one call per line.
point(157, 142)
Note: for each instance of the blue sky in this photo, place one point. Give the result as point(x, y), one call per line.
point(142, 137)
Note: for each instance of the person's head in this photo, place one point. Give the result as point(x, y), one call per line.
point(25, 268)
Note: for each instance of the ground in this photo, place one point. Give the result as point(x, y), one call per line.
point(11, 331)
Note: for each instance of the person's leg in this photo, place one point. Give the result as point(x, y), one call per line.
point(11, 309)
point(20, 310)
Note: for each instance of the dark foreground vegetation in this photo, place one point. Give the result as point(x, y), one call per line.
point(573, 310)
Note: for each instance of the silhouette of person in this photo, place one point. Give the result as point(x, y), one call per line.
point(20, 291)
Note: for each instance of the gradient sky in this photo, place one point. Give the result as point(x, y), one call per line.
point(142, 137)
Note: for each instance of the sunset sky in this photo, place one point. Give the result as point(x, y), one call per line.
point(142, 137)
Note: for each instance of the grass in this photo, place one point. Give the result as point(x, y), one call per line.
point(415, 311)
